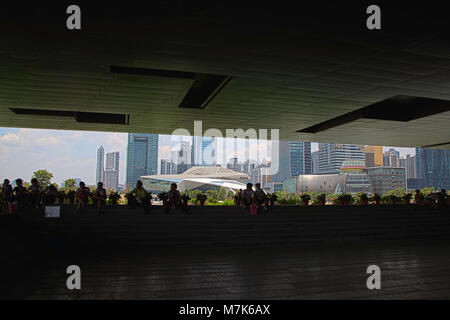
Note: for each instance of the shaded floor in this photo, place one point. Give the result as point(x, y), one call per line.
point(408, 272)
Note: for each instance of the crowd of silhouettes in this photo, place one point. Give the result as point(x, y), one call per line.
point(254, 200)
point(20, 197)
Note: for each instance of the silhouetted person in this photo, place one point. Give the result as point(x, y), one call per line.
point(418, 197)
point(21, 194)
point(174, 198)
point(7, 194)
point(35, 192)
point(442, 197)
point(100, 196)
point(247, 196)
point(259, 197)
point(50, 195)
point(82, 196)
point(139, 197)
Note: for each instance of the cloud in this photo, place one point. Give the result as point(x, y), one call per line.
point(67, 154)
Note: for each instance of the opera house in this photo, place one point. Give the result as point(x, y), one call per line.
point(198, 178)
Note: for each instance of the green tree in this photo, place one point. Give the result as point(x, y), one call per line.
point(222, 194)
point(70, 183)
point(43, 176)
point(213, 195)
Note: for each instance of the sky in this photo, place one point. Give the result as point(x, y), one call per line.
point(73, 154)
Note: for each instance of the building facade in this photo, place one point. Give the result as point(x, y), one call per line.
point(300, 158)
point(315, 162)
point(112, 171)
point(433, 168)
point(167, 167)
point(384, 179)
point(391, 158)
point(374, 156)
point(100, 172)
point(332, 156)
point(142, 157)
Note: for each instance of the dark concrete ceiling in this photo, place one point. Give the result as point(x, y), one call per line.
point(288, 67)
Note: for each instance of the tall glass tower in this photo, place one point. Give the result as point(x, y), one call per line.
point(294, 159)
point(100, 172)
point(433, 167)
point(332, 156)
point(208, 151)
point(142, 156)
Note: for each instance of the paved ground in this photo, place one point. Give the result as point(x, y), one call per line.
point(408, 272)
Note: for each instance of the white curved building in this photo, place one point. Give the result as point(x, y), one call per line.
point(198, 178)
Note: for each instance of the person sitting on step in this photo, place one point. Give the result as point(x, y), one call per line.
point(100, 196)
point(35, 193)
point(247, 196)
point(139, 197)
point(82, 196)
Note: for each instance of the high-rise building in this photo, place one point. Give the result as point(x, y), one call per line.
point(410, 165)
point(235, 165)
point(207, 156)
point(112, 170)
point(284, 164)
point(142, 156)
point(294, 158)
point(300, 158)
point(112, 161)
point(384, 179)
point(168, 167)
point(332, 156)
point(111, 180)
point(391, 158)
point(100, 172)
point(433, 167)
point(315, 162)
point(374, 156)
point(182, 157)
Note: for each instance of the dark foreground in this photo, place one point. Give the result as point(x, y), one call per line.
point(35, 259)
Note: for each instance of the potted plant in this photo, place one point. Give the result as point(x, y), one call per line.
point(376, 198)
point(321, 198)
point(393, 198)
point(363, 198)
point(272, 199)
point(71, 196)
point(407, 197)
point(114, 197)
point(163, 196)
point(185, 199)
point(345, 199)
point(305, 198)
point(201, 197)
point(237, 199)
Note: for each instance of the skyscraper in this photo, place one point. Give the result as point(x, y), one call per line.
point(391, 158)
point(182, 157)
point(332, 156)
point(294, 158)
point(410, 165)
point(374, 156)
point(315, 162)
point(112, 170)
point(300, 158)
point(208, 151)
point(142, 156)
point(433, 167)
point(100, 172)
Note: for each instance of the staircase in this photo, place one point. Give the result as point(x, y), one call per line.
point(224, 226)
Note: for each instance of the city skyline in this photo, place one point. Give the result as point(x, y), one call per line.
point(23, 151)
